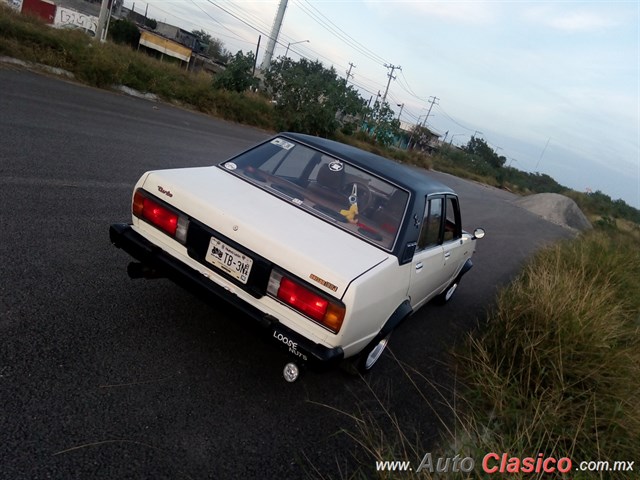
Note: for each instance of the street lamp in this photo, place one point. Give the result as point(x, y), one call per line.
point(294, 43)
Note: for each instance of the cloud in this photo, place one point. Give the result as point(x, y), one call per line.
point(571, 20)
point(464, 12)
point(581, 21)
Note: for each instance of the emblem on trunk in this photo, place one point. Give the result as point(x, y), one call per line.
point(322, 282)
point(166, 192)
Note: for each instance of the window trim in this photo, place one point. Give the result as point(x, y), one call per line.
point(457, 215)
point(427, 201)
point(400, 233)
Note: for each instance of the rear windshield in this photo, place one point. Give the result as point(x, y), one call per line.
point(326, 186)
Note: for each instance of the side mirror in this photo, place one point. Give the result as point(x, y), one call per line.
point(478, 233)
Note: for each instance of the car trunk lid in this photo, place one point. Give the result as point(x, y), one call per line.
point(271, 227)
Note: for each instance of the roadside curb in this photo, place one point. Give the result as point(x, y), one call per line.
point(37, 66)
point(69, 75)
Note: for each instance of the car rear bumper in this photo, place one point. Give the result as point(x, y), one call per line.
point(156, 262)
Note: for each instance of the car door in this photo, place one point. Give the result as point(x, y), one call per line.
point(427, 275)
point(453, 252)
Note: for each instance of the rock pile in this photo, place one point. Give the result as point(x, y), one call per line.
point(557, 209)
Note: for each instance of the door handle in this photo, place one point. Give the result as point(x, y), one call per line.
point(418, 266)
point(447, 255)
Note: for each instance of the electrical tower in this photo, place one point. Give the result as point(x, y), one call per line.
point(273, 38)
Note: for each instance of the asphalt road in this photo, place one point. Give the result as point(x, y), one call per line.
point(105, 377)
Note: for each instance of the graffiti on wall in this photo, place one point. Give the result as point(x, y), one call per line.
point(15, 4)
point(67, 18)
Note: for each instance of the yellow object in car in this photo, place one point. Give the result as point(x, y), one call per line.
point(351, 214)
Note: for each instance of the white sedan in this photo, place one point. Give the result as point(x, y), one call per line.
point(327, 246)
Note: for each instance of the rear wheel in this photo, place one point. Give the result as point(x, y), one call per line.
point(369, 357)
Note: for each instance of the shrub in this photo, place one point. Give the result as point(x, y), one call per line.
point(557, 368)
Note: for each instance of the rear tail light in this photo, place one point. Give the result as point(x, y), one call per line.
point(160, 215)
point(316, 306)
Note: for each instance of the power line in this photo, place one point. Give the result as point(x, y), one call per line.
point(216, 20)
point(289, 39)
point(336, 31)
point(245, 22)
point(234, 7)
point(407, 88)
point(453, 119)
point(241, 20)
point(363, 83)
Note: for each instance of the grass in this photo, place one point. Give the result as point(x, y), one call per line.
point(107, 64)
point(554, 370)
point(556, 367)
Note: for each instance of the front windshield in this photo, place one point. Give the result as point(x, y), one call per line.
point(328, 187)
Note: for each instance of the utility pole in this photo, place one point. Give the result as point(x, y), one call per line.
point(102, 21)
point(286, 53)
point(390, 75)
point(273, 38)
point(377, 97)
point(432, 100)
point(349, 74)
point(255, 60)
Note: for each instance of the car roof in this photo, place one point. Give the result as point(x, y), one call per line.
point(413, 179)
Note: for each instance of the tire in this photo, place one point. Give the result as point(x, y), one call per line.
point(369, 357)
point(445, 296)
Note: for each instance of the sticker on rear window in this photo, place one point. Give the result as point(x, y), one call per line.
point(336, 166)
point(230, 166)
point(282, 143)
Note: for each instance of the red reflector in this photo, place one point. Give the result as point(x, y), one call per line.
point(302, 299)
point(160, 216)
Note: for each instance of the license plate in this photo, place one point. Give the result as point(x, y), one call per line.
point(229, 260)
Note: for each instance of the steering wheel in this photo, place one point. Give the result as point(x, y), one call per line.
point(363, 194)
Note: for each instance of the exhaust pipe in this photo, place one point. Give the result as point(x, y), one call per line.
point(139, 270)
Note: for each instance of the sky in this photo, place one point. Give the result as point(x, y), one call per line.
point(553, 86)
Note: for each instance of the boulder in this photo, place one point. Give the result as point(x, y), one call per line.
point(557, 209)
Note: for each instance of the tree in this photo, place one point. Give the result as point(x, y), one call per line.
point(384, 126)
point(310, 98)
point(238, 76)
point(124, 31)
point(151, 23)
point(480, 148)
point(212, 47)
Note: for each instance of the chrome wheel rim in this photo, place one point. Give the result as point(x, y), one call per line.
point(449, 293)
point(376, 352)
